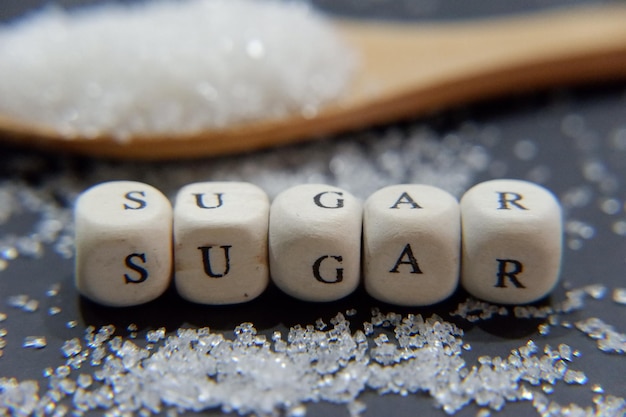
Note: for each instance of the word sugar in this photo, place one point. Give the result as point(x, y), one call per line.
point(224, 242)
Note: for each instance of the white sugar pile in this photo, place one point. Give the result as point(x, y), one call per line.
point(169, 66)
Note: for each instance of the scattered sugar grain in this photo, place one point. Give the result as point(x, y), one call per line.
point(544, 329)
point(31, 306)
point(619, 295)
point(525, 150)
point(596, 291)
point(71, 347)
point(607, 338)
point(54, 289)
point(71, 324)
point(575, 377)
point(611, 206)
point(579, 229)
point(54, 310)
point(17, 301)
point(168, 66)
point(154, 336)
point(36, 342)
point(575, 244)
point(619, 227)
point(565, 352)
point(8, 253)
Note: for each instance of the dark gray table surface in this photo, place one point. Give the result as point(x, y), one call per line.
point(573, 141)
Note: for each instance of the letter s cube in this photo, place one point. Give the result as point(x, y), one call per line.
point(123, 243)
point(512, 241)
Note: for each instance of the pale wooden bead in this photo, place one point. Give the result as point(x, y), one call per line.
point(315, 242)
point(411, 244)
point(123, 243)
point(512, 241)
point(220, 232)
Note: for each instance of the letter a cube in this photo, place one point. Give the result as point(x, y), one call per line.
point(512, 233)
point(220, 234)
point(123, 243)
point(411, 244)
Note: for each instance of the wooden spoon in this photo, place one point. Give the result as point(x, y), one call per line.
point(405, 70)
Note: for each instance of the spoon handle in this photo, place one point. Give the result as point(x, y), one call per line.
point(413, 69)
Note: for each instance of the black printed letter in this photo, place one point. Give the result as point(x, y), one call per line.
point(206, 260)
point(407, 253)
point(141, 203)
point(200, 201)
point(318, 276)
point(505, 198)
point(405, 198)
point(143, 273)
point(318, 200)
point(511, 275)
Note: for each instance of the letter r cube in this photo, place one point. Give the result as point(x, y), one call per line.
point(123, 243)
point(512, 233)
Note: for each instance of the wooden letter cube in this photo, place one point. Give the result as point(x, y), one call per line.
point(411, 244)
point(220, 234)
point(123, 243)
point(315, 242)
point(512, 234)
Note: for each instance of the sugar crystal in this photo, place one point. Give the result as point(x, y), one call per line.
point(71, 347)
point(608, 339)
point(154, 336)
point(619, 227)
point(31, 306)
point(17, 301)
point(597, 388)
point(619, 295)
point(37, 342)
point(53, 291)
point(575, 377)
point(597, 291)
point(53, 311)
